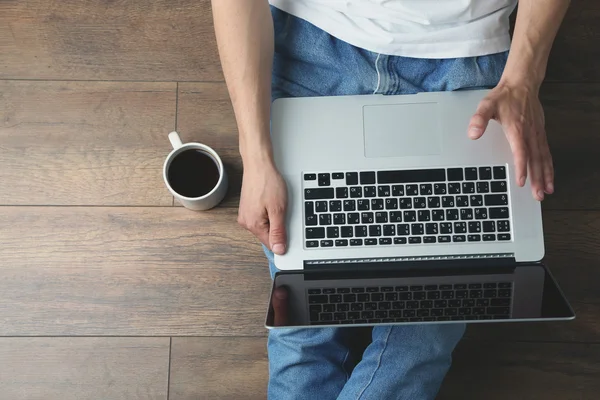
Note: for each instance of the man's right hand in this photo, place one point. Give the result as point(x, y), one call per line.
point(262, 206)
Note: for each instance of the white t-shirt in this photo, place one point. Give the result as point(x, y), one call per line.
point(412, 28)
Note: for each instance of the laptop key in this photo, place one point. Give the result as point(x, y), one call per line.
point(367, 178)
point(420, 202)
point(433, 202)
point(312, 243)
point(460, 227)
point(416, 229)
point(425, 189)
point(397, 190)
point(403, 229)
point(349, 205)
point(360, 231)
point(326, 243)
point(385, 240)
point(437, 215)
point(412, 190)
point(370, 242)
point(391, 204)
point(381, 217)
point(446, 227)
point(324, 179)
point(353, 218)
point(496, 199)
point(498, 187)
point(395, 216)
point(318, 193)
point(503, 226)
point(474, 227)
point(474, 238)
point(376, 204)
point(410, 216)
point(468, 187)
point(424, 215)
point(356, 242)
point(405, 203)
point(324, 219)
point(481, 213)
point(503, 236)
point(499, 173)
point(414, 240)
point(431, 229)
point(369, 191)
point(485, 173)
point(355, 192)
point(443, 239)
point(363, 205)
point(383, 191)
point(335, 205)
point(454, 188)
point(389, 230)
point(399, 240)
point(311, 220)
point(320, 206)
point(498, 212)
point(367, 218)
point(471, 174)
point(341, 242)
point(339, 219)
point(315, 233)
point(341, 192)
point(439, 188)
point(455, 174)
point(374, 230)
point(483, 187)
point(458, 238)
point(476, 200)
point(351, 178)
point(451, 214)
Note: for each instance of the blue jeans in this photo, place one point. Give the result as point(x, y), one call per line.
point(401, 362)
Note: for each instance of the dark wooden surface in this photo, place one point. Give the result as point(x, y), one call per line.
point(90, 244)
point(84, 368)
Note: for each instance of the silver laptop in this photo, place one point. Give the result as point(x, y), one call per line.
point(396, 216)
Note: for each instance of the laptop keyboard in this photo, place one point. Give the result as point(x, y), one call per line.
point(416, 303)
point(406, 207)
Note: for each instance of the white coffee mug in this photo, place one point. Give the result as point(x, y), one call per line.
point(210, 199)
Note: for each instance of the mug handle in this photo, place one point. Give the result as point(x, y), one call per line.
point(175, 140)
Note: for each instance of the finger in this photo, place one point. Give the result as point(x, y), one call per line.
point(481, 118)
point(518, 147)
point(536, 168)
point(548, 167)
point(277, 234)
point(259, 229)
point(280, 306)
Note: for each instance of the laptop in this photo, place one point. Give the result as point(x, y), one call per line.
point(395, 216)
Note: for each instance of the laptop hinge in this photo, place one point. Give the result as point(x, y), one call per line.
point(465, 260)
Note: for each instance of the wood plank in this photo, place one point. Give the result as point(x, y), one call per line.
point(152, 40)
point(499, 370)
point(205, 115)
point(84, 143)
point(571, 122)
point(129, 271)
point(174, 41)
point(575, 52)
point(490, 370)
point(84, 368)
point(218, 368)
point(170, 271)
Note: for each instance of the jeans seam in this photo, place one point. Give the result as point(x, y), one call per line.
point(378, 364)
point(344, 365)
point(378, 74)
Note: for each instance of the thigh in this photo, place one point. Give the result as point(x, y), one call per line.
point(308, 363)
point(404, 362)
point(310, 62)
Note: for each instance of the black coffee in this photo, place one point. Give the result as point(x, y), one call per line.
point(193, 173)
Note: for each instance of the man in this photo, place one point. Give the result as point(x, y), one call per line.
point(334, 47)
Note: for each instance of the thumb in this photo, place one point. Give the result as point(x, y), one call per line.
point(277, 235)
point(481, 118)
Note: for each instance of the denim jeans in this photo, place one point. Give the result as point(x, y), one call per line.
point(401, 362)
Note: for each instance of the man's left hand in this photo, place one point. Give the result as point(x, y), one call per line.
point(519, 111)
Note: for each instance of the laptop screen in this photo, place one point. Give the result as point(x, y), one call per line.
point(443, 295)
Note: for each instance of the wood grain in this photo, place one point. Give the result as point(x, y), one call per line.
point(529, 371)
point(205, 115)
point(218, 368)
point(572, 124)
point(171, 271)
point(151, 40)
point(84, 143)
point(131, 271)
point(174, 41)
point(84, 368)
point(576, 45)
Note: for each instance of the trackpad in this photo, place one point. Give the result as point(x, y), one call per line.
point(398, 130)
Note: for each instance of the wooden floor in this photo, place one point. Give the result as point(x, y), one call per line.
point(108, 290)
